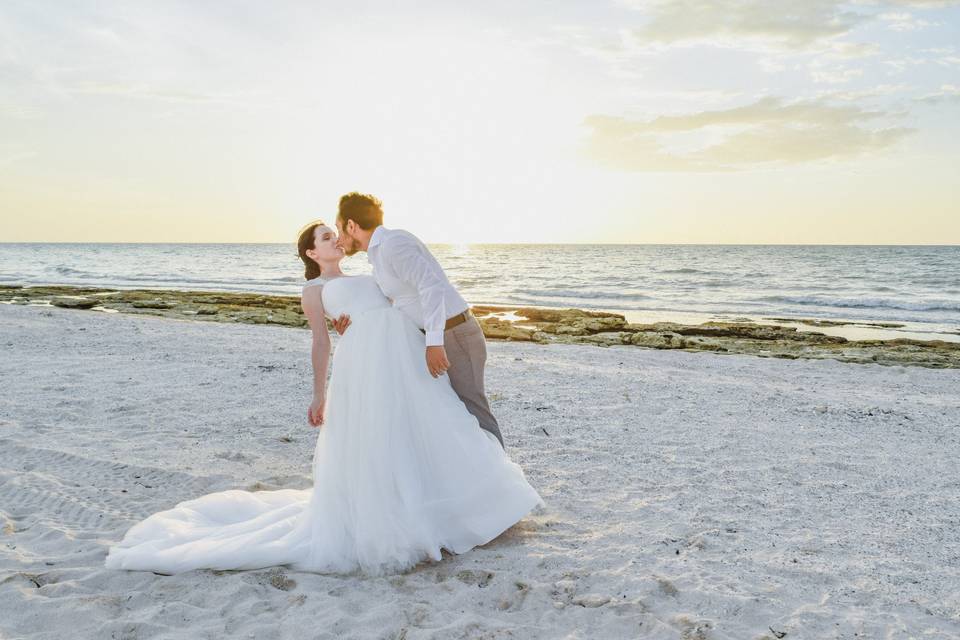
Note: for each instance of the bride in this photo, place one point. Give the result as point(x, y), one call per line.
point(401, 469)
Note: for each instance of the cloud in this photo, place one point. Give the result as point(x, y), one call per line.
point(138, 90)
point(835, 76)
point(851, 50)
point(614, 48)
point(786, 24)
point(904, 21)
point(879, 91)
point(771, 65)
point(18, 111)
point(925, 4)
point(947, 93)
point(697, 96)
point(768, 132)
point(13, 158)
point(247, 100)
point(899, 65)
point(781, 32)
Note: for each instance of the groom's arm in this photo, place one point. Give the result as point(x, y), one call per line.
point(413, 266)
point(341, 323)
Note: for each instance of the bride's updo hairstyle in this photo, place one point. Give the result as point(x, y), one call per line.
point(308, 241)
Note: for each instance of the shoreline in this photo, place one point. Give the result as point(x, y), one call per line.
point(777, 337)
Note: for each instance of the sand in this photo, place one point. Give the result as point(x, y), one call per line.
point(689, 495)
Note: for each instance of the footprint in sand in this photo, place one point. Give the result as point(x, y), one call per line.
point(479, 578)
point(514, 600)
point(275, 578)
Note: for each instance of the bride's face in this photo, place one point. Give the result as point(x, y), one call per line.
point(325, 247)
point(348, 243)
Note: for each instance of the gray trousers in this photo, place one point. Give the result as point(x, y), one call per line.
point(467, 352)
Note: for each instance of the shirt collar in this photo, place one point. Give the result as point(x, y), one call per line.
point(377, 237)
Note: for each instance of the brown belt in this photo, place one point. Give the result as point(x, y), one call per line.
point(460, 318)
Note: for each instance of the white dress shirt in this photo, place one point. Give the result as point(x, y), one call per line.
point(409, 274)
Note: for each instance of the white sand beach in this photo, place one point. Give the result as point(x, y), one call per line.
point(689, 495)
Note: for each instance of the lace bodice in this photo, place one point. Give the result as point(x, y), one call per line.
point(351, 295)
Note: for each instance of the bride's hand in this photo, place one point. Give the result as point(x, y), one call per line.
point(315, 412)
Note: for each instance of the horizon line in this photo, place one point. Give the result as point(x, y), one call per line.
point(534, 244)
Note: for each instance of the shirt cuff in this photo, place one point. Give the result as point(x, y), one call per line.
point(434, 338)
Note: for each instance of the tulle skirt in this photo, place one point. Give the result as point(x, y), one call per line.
point(400, 471)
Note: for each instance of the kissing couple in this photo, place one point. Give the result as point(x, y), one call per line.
point(409, 459)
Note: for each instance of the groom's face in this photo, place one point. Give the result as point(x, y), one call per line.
point(347, 242)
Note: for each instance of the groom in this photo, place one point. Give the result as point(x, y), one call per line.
point(408, 274)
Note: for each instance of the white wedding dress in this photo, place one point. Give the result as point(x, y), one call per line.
point(400, 470)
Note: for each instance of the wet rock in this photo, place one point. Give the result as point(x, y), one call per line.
point(480, 310)
point(253, 317)
point(907, 342)
point(583, 326)
point(152, 304)
point(608, 339)
point(665, 340)
point(565, 330)
point(498, 329)
point(286, 318)
point(566, 315)
point(596, 325)
point(265, 316)
point(74, 302)
point(741, 330)
point(813, 322)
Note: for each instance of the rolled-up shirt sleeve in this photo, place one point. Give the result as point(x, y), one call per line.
point(412, 265)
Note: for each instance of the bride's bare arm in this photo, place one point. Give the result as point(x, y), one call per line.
point(312, 305)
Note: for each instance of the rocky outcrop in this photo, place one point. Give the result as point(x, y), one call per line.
point(814, 322)
point(579, 326)
point(741, 330)
point(499, 329)
point(536, 314)
point(658, 340)
point(153, 304)
point(200, 305)
point(527, 324)
point(560, 322)
point(74, 302)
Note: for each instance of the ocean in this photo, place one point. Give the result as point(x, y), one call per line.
point(917, 286)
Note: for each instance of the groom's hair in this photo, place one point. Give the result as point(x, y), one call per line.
point(362, 208)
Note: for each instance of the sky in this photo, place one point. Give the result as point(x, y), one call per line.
point(623, 121)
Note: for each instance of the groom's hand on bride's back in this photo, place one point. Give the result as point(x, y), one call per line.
point(341, 323)
point(437, 362)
